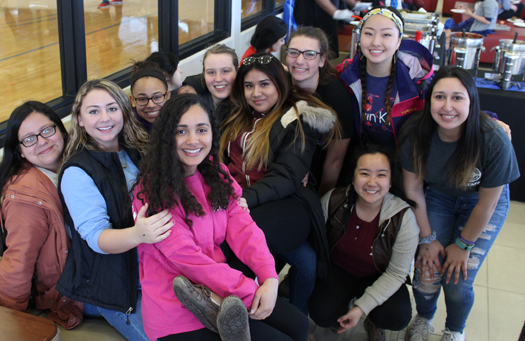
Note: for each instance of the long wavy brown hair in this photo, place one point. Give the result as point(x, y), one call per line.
point(161, 173)
point(258, 151)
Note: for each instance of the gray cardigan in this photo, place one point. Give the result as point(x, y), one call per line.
point(402, 253)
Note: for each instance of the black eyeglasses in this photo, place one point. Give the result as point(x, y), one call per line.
point(157, 99)
point(308, 54)
point(261, 60)
point(33, 139)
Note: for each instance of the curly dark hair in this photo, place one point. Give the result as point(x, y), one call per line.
point(161, 173)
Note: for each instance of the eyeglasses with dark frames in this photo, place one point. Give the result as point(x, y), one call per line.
point(261, 60)
point(157, 99)
point(307, 54)
point(31, 140)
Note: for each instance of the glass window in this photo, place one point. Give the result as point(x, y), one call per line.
point(29, 54)
point(196, 18)
point(116, 35)
point(250, 7)
point(279, 3)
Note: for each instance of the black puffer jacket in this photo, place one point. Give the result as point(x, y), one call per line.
point(289, 165)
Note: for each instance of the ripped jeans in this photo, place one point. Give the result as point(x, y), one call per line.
point(447, 216)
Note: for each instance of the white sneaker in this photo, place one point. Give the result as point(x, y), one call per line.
point(452, 336)
point(419, 329)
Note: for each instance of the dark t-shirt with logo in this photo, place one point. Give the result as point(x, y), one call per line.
point(374, 125)
point(498, 167)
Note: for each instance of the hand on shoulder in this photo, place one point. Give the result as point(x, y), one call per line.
point(152, 229)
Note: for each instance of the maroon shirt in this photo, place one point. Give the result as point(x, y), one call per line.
point(354, 252)
point(245, 177)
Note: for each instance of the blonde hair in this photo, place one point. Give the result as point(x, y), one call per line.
point(132, 134)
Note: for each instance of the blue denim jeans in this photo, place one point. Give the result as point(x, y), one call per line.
point(447, 216)
point(134, 331)
point(303, 262)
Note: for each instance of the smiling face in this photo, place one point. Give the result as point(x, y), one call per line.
point(102, 118)
point(193, 138)
point(149, 87)
point(379, 41)
point(219, 74)
point(277, 46)
point(450, 107)
point(372, 179)
point(47, 152)
point(260, 92)
point(305, 73)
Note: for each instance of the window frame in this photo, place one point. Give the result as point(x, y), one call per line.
point(268, 7)
point(221, 31)
point(73, 54)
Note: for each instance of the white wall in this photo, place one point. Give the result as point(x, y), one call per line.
point(239, 41)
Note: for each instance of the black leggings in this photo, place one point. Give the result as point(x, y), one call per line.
point(285, 323)
point(510, 13)
point(286, 224)
point(327, 304)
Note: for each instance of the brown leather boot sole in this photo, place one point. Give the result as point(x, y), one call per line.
point(198, 300)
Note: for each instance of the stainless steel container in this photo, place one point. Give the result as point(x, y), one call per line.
point(497, 58)
point(353, 43)
point(464, 51)
point(509, 61)
point(426, 23)
point(516, 54)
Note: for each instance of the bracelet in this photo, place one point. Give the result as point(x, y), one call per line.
point(464, 246)
point(428, 239)
point(466, 241)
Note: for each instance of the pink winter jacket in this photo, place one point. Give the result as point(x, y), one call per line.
point(196, 254)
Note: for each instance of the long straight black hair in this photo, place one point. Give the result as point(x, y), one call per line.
point(13, 163)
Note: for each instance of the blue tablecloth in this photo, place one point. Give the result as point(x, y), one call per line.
point(489, 84)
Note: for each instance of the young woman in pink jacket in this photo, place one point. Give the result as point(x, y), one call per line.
point(182, 173)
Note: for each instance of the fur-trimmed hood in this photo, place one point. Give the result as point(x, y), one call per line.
point(319, 119)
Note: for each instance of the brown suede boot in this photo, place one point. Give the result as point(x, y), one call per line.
point(374, 333)
point(200, 300)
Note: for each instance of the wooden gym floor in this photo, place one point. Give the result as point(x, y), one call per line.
point(29, 48)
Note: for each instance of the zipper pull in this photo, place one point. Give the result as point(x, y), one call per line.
point(127, 314)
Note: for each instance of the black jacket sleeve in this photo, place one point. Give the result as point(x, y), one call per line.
point(289, 165)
